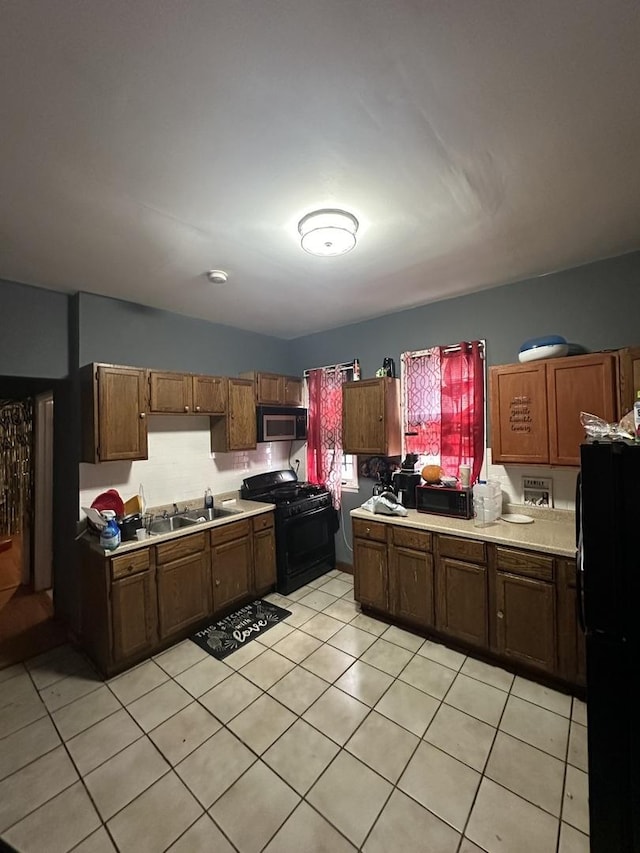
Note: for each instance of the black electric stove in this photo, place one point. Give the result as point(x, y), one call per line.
point(305, 525)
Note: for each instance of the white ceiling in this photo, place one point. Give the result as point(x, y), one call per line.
point(478, 142)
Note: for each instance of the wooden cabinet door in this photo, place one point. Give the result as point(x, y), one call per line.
point(170, 392)
point(571, 641)
point(411, 585)
point(574, 385)
point(370, 573)
point(134, 618)
point(270, 389)
point(519, 418)
point(209, 395)
point(242, 415)
point(371, 416)
point(230, 572)
point(462, 601)
point(264, 559)
point(292, 391)
point(122, 424)
point(526, 621)
point(628, 378)
point(183, 593)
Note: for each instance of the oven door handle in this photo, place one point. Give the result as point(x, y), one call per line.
point(305, 515)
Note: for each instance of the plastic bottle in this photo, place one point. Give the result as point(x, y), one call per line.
point(636, 416)
point(356, 369)
point(208, 499)
point(110, 533)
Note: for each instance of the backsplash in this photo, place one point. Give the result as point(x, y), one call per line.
point(181, 465)
point(510, 478)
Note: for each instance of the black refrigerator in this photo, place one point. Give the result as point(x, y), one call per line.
point(608, 528)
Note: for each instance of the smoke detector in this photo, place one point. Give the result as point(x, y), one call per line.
point(217, 276)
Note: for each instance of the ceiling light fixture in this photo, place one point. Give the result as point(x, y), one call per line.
point(217, 276)
point(328, 232)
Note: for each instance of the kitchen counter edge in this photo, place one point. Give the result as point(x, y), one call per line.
point(550, 537)
point(247, 509)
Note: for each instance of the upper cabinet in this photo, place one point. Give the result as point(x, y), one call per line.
point(237, 429)
point(535, 407)
point(114, 406)
point(184, 393)
point(371, 417)
point(629, 378)
point(274, 389)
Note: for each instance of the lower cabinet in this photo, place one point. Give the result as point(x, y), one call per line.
point(462, 604)
point(231, 563)
point(571, 642)
point(264, 553)
point(411, 588)
point(182, 576)
point(525, 608)
point(370, 564)
point(134, 615)
point(138, 602)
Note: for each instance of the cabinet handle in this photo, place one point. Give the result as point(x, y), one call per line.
point(142, 414)
point(368, 530)
point(186, 408)
point(197, 408)
point(217, 581)
point(500, 614)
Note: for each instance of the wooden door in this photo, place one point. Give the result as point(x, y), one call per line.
point(183, 593)
point(122, 423)
point(264, 554)
point(462, 601)
point(242, 415)
point(170, 392)
point(370, 574)
point(134, 615)
point(292, 391)
point(574, 385)
point(411, 585)
point(270, 389)
point(518, 409)
point(209, 395)
point(526, 621)
point(363, 417)
point(230, 572)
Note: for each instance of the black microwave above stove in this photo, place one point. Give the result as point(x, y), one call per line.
point(445, 500)
point(281, 423)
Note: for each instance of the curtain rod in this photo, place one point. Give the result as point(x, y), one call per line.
point(452, 348)
point(342, 365)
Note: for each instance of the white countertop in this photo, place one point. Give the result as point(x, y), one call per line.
point(245, 509)
point(552, 531)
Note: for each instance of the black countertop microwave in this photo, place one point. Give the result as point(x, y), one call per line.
point(281, 423)
point(445, 500)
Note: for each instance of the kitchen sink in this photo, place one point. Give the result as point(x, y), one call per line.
point(209, 514)
point(168, 525)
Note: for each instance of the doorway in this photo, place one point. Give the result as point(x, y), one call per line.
point(27, 623)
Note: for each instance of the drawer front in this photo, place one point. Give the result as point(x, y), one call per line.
point(524, 563)
point(262, 522)
point(229, 532)
point(405, 537)
point(182, 547)
point(369, 530)
point(130, 564)
point(462, 549)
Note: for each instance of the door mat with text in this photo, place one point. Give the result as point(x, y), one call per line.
point(222, 638)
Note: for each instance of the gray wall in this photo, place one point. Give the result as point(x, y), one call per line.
point(596, 306)
point(34, 336)
point(127, 333)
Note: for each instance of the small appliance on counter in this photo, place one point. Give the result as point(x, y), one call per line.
point(405, 481)
point(445, 500)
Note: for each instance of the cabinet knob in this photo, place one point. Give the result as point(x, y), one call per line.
point(197, 408)
point(186, 408)
point(500, 614)
point(368, 530)
point(142, 415)
point(217, 581)
point(380, 417)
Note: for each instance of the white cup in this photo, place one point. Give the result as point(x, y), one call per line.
point(141, 534)
point(465, 476)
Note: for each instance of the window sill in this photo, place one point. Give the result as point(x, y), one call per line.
point(353, 489)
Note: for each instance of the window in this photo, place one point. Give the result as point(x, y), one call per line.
point(350, 472)
point(443, 405)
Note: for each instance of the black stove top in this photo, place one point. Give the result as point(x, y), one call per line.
point(283, 489)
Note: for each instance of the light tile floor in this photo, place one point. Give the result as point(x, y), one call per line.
point(332, 732)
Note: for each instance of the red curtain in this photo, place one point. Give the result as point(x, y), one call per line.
point(443, 395)
point(324, 438)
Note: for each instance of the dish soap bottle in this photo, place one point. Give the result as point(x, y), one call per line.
point(636, 417)
point(110, 533)
point(208, 499)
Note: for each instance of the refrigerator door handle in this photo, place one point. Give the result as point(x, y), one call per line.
point(580, 585)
